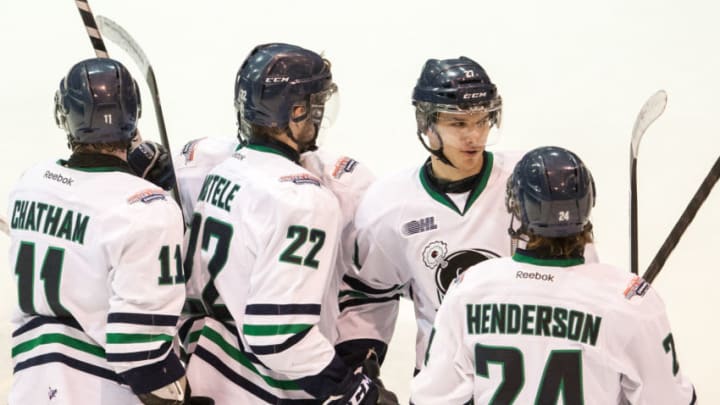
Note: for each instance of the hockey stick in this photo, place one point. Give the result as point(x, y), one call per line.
point(651, 110)
point(89, 20)
point(118, 35)
point(681, 225)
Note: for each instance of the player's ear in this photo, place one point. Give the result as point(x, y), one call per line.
point(297, 112)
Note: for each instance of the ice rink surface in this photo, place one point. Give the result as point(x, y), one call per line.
point(571, 73)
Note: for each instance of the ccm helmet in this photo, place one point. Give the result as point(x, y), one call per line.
point(453, 85)
point(276, 77)
point(98, 102)
point(551, 193)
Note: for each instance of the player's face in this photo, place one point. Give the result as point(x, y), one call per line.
point(464, 136)
point(303, 131)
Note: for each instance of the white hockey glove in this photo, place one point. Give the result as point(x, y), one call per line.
point(171, 394)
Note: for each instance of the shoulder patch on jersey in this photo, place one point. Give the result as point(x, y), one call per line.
point(189, 149)
point(344, 165)
point(302, 178)
point(147, 196)
point(637, 286)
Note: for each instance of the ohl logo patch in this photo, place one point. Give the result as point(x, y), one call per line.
point(448, 267)
point(417, 226)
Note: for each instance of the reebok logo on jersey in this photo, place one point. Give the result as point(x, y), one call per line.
point(301, 179)
point(420, 225)
point(638, 286)
point(344, 165)
point(536, 276)
point(147, 196)
point(59, 178)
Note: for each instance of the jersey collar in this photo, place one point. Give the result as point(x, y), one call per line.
point(534, 257)
point(436, 191)
point(95, 162)
point(276, 147)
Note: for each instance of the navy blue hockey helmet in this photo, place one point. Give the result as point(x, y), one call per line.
point(551, 192)
point(454, 85)
point(98, 102)
point(274, 78)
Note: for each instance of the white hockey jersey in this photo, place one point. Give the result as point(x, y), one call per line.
point(193, 163)
point(96, 257)
point(343, 175)
point(526, 330)
point(261, 252)
point(413, 240)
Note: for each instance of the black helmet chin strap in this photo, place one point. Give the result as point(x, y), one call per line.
point(304, 146)
point(437, 153)
point(516, 235)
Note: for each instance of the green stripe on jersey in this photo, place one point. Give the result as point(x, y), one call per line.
point(238, 356)
point(50, 338)
point(352, 293)
point(193, 337)
point(271, 330)
point(566, 262)
point(136, 338)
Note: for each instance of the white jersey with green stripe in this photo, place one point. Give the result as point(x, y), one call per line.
point(261, 250)
point(525, 330)
point(193, 163)
point(413, 240)
point(95, 251)
point(344, 176)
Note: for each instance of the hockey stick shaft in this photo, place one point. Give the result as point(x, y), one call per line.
point(89, 20)
point(117, 34)
point(633, 217)
point(682, 224)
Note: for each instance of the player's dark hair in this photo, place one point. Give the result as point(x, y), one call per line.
point(566, 246)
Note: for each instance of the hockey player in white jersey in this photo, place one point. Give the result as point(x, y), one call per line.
point(347, 178)
point(261, 247)
point(95, 251)
point(544, 325)
point(419, 228)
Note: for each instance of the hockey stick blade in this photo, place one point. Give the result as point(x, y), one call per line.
point(682, 224)
point(92, 29)
point(650, 111)
point(118, 35)
point(4, 228)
